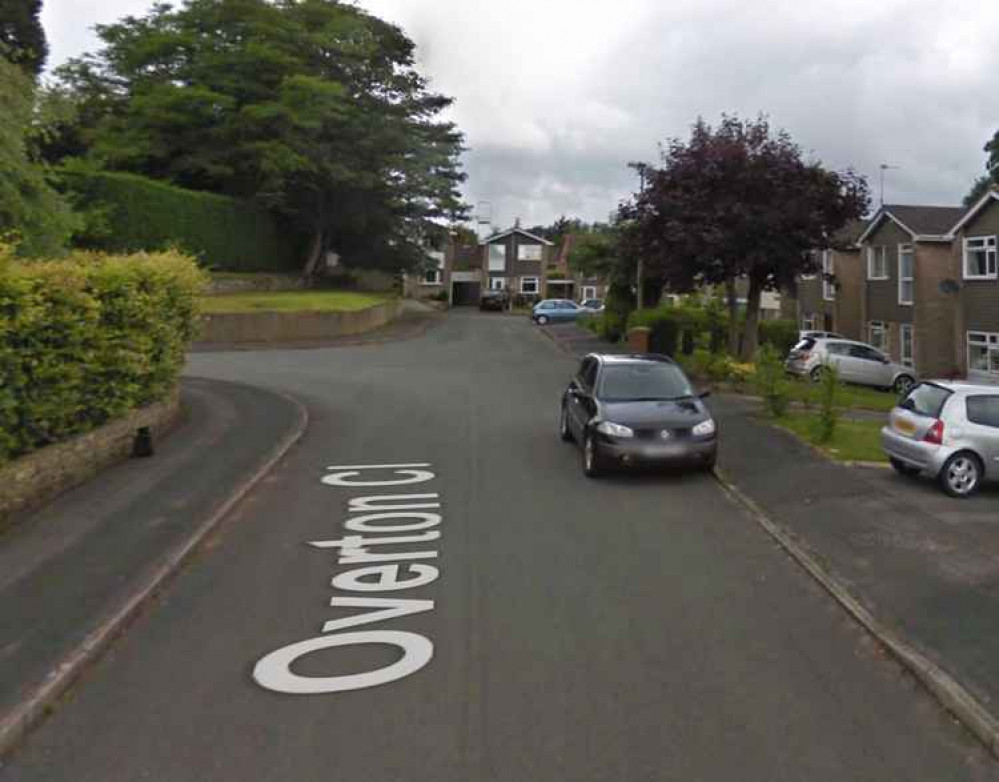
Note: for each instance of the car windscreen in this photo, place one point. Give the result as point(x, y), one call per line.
point(926, 399)
point(650, 381)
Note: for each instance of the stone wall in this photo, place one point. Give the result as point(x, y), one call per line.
point(29, 481)
point(260, 327)
point(255, 283)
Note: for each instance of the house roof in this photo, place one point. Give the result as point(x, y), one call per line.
point(985, 200)
point(521, 231)
point(927, 223)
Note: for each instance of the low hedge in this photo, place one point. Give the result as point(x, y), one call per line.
point(129, 213)
point(87, 338)
point(782, 335)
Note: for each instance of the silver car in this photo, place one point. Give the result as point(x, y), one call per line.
point(947, 431)
point(855, 362)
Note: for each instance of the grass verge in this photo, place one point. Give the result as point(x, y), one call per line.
point(853, 441)
point(290, 301)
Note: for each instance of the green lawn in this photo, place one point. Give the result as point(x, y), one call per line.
point(854, 441)
point(290, 301)
point(850, 396)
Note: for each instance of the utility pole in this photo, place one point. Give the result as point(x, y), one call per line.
point(638, 274)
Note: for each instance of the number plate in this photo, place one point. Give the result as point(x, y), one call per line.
point(903, 426)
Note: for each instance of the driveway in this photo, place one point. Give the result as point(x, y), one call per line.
point(634, 628)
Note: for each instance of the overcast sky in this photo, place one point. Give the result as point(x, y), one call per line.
point(556, 96)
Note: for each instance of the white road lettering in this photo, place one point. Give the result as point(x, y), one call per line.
point(404, 514)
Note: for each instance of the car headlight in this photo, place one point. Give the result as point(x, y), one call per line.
point(614, 430)
point(705, 428)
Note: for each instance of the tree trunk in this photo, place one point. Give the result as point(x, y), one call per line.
point(315, 255)
point(751, 337)
point(732, 299)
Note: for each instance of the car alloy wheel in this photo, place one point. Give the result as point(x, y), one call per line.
point(542, 320)
point(903, 384)
point(563, 425)
point(961, 475)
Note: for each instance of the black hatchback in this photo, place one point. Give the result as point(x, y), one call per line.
point(638, 409)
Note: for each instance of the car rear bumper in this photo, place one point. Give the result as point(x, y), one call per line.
point(682, 453)
point(926, 457)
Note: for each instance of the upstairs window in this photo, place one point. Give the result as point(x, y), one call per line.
point(497, 257)
point(877, 263)
point(906, 274)
point(828, 285)
point(980, 258)
point(529, 252)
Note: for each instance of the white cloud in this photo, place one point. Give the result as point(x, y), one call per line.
point(557, 96)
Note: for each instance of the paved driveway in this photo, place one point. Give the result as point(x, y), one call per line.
point(634, 628)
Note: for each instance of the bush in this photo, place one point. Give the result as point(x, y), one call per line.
point(781, 334)
point(770, 380)
point(128, 213)
point(828, 414)
point(86, 339)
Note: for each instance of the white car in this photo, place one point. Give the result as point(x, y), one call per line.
point(855, 362)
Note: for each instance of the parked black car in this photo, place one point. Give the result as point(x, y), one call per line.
point(496, 301)
point(636, 409)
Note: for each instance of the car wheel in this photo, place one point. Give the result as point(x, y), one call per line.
point(961, 474)
point(542, 320)
point(904, 469)
point(592, 466)
point(563, 425)
point(903, 384)
point(816, 374)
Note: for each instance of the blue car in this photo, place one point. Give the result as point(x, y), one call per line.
point(553, 310)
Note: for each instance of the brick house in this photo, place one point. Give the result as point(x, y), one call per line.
point(566, 282)
point(975, 286)
point(515, 261)
point(908, 265)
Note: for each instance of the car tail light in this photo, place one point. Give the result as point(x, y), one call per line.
point(935, 433)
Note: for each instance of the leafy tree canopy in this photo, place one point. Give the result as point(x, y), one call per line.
point(313, 107)
point(22, 37)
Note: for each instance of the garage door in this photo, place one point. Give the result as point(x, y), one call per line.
point(464, 294)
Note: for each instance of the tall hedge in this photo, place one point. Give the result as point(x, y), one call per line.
point(130, 213)
point(87, 338)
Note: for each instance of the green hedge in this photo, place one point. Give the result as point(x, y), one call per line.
point(781, 334)
point(129, 213)
point(85, 339)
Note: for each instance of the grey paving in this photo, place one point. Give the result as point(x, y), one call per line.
point(634, 628)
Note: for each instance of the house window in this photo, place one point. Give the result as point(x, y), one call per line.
point(497, 283)
point(813, 259)
point(808, 322)
point(529, 252)
point(497, 257)
point(877, 263)
point(828, 284)
point(434, 276)
point(980, 258)
point(528, 284)
point(983, 352)
point(906, 334)
point(589, 292)
point(906, 273)
point(877, 332)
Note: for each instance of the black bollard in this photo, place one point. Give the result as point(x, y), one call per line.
point(143, 443)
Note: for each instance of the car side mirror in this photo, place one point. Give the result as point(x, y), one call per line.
point(704, 395)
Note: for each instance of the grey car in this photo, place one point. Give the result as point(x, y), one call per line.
point(947, 431)
point(626, 410)
point(551, 310)
point(855, 362)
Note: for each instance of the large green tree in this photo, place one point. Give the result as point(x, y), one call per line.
point(313, 107)
point(984, 183)
point(738, 201)
point(22, 37)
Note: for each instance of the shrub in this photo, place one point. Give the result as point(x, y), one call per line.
point(85, 339)
point(828, 413)
point(781, 334)
point(770, 380)
point(129, 213)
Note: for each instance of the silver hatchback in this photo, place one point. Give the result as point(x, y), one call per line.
point(947, 431)
point(855, 362)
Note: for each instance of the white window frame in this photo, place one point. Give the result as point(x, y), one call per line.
point(910, 359)
point(880, 252)
point(589, 292)
point(438, 271)
point(496, 263)
point(536, 282)
point(497, 283)
point(989, 341)
point(811, 255)
point(909, 250)
point(988, 244)
point(535, 250)
point(878, 325)
point(808, 322)
point(828, 286)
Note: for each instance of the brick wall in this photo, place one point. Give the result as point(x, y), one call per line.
point(935, 311)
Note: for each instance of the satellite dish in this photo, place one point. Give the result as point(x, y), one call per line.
point(949, 286)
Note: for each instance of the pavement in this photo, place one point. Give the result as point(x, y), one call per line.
point(641, 627)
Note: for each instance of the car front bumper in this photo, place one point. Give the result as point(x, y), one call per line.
point(687, 452)
point(926, 457)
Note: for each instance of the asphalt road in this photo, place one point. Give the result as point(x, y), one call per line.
point(632, 628)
